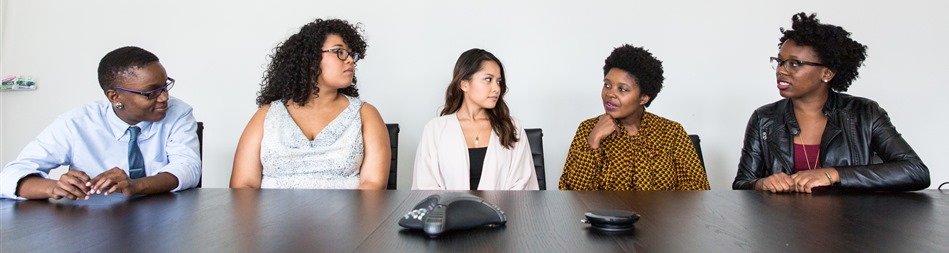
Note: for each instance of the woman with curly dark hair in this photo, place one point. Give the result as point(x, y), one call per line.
point(627, 148)
point(312, 130)
point(817, 137)
point(475, 126)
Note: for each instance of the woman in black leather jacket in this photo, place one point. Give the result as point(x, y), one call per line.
point(817, 137)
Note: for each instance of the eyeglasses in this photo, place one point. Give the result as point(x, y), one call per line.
point(791, 65)
point(152, 94)
point(342, 54)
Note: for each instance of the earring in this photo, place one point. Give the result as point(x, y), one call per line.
point(825, 80)
point(119, 106)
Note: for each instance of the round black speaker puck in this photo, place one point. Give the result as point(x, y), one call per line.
point(611, 220)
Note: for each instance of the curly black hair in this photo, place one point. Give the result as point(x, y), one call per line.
point(120, 62)
point(295, 63)
point(835, 49)
point(641, 64)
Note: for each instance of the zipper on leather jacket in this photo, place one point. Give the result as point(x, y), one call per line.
point(772, 145)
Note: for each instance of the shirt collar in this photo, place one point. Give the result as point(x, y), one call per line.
point(120, 128)
point(644, 125)
point(645, 130)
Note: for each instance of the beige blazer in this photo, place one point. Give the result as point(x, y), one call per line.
point(441, 162)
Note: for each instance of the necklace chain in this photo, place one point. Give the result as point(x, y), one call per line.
point(477, 138)
point(807, 159)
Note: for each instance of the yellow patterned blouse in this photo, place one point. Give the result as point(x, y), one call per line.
point(660, 157)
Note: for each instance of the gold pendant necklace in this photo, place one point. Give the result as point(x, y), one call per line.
point(477, 141)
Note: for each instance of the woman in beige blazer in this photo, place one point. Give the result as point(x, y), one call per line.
point(475, 144)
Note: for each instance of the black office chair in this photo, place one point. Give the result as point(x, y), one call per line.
point(200, 151)
point(393, 165)
point(535, 137)
point(696, 142)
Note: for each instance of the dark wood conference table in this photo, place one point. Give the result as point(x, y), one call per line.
point(225, 220)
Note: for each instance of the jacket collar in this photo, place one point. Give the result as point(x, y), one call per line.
point(830, 107)
point(833, 99)
point(831, 130)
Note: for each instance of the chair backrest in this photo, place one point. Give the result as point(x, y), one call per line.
point(200, 151)
point(535, 137)
point(697, 143)
point(393, 165)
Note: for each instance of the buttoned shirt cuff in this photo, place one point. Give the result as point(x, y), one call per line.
point(11, 178)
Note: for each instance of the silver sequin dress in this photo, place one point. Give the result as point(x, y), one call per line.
point(331, 161)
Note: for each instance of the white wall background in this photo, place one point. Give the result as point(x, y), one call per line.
point(714, 53)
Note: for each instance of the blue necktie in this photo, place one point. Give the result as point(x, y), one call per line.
point(136, 161)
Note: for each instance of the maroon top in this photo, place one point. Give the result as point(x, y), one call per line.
point(810, 161)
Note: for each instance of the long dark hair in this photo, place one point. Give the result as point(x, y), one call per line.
point(468, 64)
point(295, 63)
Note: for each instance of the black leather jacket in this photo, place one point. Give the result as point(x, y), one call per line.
point(857, 129)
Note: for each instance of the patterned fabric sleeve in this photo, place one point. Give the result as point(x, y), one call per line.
point(691, 174)
point(582, 161)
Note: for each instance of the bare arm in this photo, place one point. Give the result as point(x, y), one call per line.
point(71, 185)
point(35, 187)
point(248, 171)
point(375, 165)
point(161, 182)
point(116, 180)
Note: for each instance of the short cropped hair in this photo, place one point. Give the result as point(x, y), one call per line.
point(120, 62)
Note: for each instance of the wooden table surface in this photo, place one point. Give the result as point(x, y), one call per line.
point(226, 220)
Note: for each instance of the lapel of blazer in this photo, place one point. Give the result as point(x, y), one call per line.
point(454, 163)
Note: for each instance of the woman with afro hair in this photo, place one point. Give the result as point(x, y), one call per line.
point(627, 148)
point(312, 130)
point(818, 138)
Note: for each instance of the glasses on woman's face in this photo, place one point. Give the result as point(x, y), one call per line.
point(791, 65)
point(152, 94)
point(342, 54)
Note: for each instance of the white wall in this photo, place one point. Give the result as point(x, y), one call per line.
point(714, 53)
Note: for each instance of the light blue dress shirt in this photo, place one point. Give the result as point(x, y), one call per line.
point(93, 139)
